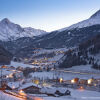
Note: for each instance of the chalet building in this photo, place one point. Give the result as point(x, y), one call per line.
point(10, 75)
point(18, 75)
point(8, 88)
point(4, 66)
point(31, 88)
point(14, 85)
point(83, 81)
point(12, 67)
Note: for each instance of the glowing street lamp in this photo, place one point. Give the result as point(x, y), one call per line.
point(72, 81)
point(81, 88)
point(13, 87)
point(7, 76)
point(89, 81)
point(61, 80)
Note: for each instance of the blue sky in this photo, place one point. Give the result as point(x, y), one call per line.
point(48, 15)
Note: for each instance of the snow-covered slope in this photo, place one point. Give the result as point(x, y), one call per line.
point(93, 20)
point(11, 31)
point(34, 32)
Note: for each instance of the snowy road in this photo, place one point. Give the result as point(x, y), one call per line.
point(78, 72)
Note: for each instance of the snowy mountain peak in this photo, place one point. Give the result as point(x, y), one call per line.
point(35, 31)
point(93, 20)
point(5, 20)
point(10, 31)
point(97, 14)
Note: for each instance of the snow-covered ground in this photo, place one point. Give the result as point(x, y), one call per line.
point(97, 57)
point(4, 96)
point(43, 75)
point(66, 75)
point(84, 68)
point(17, 64)
point(75, 94)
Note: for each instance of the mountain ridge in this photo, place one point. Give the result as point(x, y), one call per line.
point(10, 31)
point(56, 39)
point(93, 20)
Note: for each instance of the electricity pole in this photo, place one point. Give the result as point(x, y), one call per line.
point(1, 76)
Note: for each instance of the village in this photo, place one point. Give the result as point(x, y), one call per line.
point(24, 81)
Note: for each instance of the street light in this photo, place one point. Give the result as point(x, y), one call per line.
point(81, 88)
point(60, 80)
point(90, 81)
point(13, 87)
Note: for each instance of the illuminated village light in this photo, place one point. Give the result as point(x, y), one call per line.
point(72, 81)
point(36, 82)
point(13, 87)
point(7, 76)
point(21, 92)
point(95, 84)
point(61, 80)
point(81, 88)
point(89, 81)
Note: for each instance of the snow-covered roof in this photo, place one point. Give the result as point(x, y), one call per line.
point(14, 84)
point(28, 85)
point(6, 72)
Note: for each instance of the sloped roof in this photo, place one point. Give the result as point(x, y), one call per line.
point(28, 85)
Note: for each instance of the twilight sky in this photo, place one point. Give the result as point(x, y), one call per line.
point(48, 15)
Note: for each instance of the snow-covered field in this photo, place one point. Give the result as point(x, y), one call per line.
point(64, 75)
point(17, 64)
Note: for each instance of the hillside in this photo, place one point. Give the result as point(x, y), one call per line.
point(10, 31)
point(5, 56)
point(87, 52)
point(65, 38)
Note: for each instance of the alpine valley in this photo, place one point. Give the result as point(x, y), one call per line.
point(65, 45)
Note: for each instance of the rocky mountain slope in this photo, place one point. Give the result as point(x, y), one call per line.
point(65, 38)
point(5, 56)
point(71, 36)
point(10, 31)
point(87, 52)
